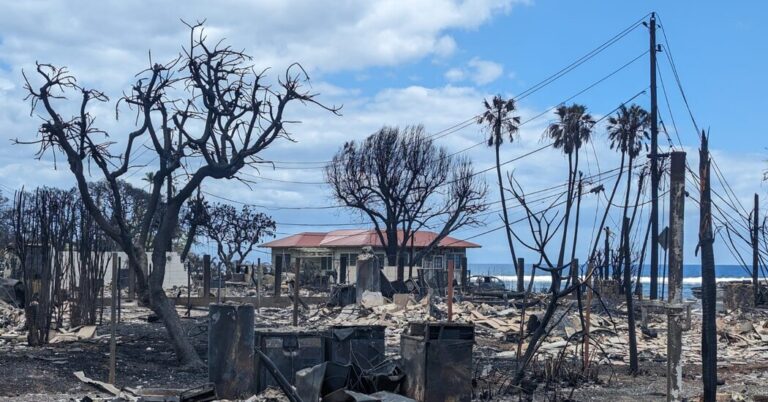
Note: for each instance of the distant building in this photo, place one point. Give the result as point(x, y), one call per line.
point(337, 251)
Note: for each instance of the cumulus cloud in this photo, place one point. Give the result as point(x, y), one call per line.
point(479, 71)
point(485, 71)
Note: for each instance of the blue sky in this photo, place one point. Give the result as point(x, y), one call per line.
point(430, 62)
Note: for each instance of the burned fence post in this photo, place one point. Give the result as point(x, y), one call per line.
point(231, 350)
point(206, 276)
point(675, 294)
point(521, 274)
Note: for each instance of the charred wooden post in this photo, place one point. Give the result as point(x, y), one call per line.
point(259, 281)
point(675, 293)
point(449, 291)
point(709, 290)
point(464, 273)
point(296, 272)
point(113, 321)
point(587, 315)
point(520, 268)
point(131, 284)
point(206, 276)
point(231, 350)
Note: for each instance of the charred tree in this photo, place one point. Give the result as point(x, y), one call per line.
point(206, 114)
point(402, 182)
point(236, 232)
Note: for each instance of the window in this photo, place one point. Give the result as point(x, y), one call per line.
point(437, 262)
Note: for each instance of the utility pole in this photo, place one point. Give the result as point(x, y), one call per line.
point(675, 307)
point(755, 252)
point(708, 285)
point(654, 289)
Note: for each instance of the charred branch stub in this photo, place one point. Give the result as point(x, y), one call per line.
point(402, 182)
point(205, 114)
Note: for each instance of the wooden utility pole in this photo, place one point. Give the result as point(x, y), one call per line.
point(296, 270)
point(113, 322)
point(449, 291)
point(655, 173)
point(675, 294)
point(755, 251)
point(521, 274)
point(708, 285)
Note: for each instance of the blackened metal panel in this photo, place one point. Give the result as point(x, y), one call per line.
point(291, 351)
point(362, 345)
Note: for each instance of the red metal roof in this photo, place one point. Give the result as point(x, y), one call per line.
point(360, 238)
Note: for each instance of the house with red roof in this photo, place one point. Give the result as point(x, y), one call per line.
point(336, 251)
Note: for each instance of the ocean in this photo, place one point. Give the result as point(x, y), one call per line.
point(691, 276)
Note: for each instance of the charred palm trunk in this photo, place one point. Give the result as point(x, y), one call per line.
point(505, 214)
point(630, 307)
point(557, 273)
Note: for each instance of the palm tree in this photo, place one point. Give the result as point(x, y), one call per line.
point(628, 133)
point(501, 124)
point(149, 177)
point(572, 130)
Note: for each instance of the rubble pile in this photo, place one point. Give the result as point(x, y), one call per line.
point(12, 323)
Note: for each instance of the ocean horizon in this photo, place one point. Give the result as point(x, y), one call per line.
point(691, 276)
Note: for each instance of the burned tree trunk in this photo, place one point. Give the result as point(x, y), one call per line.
point(628, 293)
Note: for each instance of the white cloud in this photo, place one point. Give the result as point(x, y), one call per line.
point(345, 35)
point(484, 71)
point(454, 75)
point(479, 71)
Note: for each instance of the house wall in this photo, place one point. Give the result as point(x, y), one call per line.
point(438, 259)
point(175, 273)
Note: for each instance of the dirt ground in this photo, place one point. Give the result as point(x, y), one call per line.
point(145, 359)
